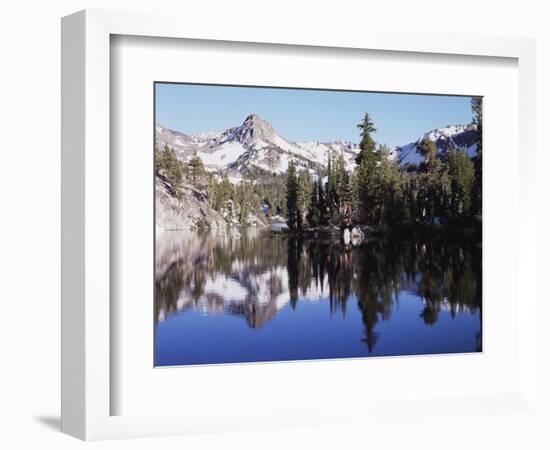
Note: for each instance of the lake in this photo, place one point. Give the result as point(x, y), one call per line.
point(269, 297)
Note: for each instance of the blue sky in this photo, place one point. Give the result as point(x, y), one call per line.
point(304, 115)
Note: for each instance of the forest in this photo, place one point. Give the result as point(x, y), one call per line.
point(443, 189)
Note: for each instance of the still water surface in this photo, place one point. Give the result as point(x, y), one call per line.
point(262, 297)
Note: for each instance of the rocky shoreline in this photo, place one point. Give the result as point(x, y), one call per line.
point(190, 211)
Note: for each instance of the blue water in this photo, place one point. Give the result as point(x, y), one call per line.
point(267, 299)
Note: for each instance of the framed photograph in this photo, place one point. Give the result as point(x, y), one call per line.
point(250, 213)
point(271, 248)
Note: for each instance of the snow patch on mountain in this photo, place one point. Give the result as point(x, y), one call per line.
point(461, 136)
point(225, 155)
point(321, 151)
point(209, 135)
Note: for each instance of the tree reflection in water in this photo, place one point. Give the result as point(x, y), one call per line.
point(255, 276)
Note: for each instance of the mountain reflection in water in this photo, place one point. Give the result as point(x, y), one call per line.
point(310, 299)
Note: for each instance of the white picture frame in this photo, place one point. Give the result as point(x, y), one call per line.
point(87, 356)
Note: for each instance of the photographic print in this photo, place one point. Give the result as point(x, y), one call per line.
point(301, 224)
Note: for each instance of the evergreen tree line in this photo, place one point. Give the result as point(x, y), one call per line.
point(221, 194)
point(379, 193)
point(175, 173)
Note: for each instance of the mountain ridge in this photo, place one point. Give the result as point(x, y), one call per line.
point(256, 145)
point(461, 136)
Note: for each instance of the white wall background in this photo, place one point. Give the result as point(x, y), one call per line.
point(29, 223)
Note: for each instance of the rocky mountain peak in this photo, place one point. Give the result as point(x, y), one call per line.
point(253, 130)
point(254, 118)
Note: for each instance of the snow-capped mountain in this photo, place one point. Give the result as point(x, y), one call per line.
point(254, 144)
point(206, 136)
point(462, 136)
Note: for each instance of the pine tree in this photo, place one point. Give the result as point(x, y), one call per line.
point(429, 181)
point(443, 204)
point(196, 171)
point(243, 200)
point(322, 206)
point(428, 150)
point(169, 167)
point(462, 179)
point(389, 203)
point(408, 198)
point(313, 215)
point(211, 190)
point(412, 198)
point(248, 202)
point(291, 196)
point(223, 192)
point(477, 110)
point(303, 198)
point(331, 190)
point(365, 181)
point(367, 144)
point(345, 207)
